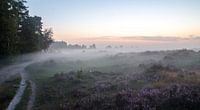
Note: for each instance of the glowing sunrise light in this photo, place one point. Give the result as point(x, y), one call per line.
point(74, 19)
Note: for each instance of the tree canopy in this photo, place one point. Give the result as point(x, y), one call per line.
point(20, 32)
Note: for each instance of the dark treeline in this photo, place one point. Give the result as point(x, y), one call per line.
point(64, 45)
point(19, 32)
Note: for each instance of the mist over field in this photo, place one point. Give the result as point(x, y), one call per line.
point(99, 55)
point(77, 76)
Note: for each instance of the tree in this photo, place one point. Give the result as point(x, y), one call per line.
point(46, 38)
point(32, 38)
point(19, 32)
point(30, 35)
point(11, 13)
point(93, 46)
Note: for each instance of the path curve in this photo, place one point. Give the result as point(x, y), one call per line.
point(9, 71)
point(18, 95)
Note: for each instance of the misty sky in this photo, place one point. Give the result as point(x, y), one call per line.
point(78, 19)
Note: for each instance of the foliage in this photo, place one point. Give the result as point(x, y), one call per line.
point(19, 32)
point(151, 85)
point(105, 91)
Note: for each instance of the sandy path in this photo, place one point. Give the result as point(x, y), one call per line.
point(7, 72)
point(18, 95)
point(32, 96)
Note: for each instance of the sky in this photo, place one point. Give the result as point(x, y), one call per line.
point(78, 20)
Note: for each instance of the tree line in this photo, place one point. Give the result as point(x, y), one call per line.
point(19, 32)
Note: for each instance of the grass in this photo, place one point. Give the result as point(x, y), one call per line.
point(43, 70)
point(61, 89)
point(56, 88)
point(8, 90)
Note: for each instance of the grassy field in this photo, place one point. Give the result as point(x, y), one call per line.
point(149, 80)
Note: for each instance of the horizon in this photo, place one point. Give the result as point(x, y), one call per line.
point(83, 20)
point(140, 43)
point(100, 55)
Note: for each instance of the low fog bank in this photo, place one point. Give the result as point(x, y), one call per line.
point(96, 51)
point(113, 61)
point(84, 77)
point(120, 60)
point(85, 54)
point(89, 54)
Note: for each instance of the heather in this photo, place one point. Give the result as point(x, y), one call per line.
point(128, 81)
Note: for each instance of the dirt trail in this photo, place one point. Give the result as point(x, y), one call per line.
point(18, 95)
point(32, 96)
point(7, 72)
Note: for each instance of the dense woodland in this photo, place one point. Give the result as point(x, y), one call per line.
point(19, 32)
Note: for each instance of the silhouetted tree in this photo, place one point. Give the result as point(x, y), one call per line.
point(46, 38)
point(31, 34)
point(11, 14)
point(93, 46)
point(19, 32)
